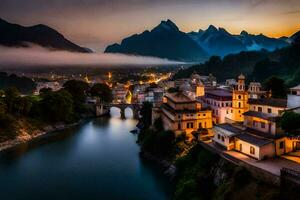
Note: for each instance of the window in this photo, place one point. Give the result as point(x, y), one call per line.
point(204, 124)
point(269, 110)
point(219, 136)
point(262, 124)
point(281, 145)
point(239, 111)
point(200, 125)
point(239, 104)
point(179, 126)
point(259, 109)
point(179, 116)
point(198, 115)
point(187, 125)
point(227, 112)
point(192, 125)
point(223, 138)
point(239, 96)
point(252, 150)
point(204, 115)
point(241, 147)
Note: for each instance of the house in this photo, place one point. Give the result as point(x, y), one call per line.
point(220, 102)
point(264, 114)
point(256, 147)
point(182, 114)
point(224, 135)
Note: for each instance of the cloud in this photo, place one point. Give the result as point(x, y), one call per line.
point(38, 56)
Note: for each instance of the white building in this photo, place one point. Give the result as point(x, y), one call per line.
point(220, 102)
point(294, 97)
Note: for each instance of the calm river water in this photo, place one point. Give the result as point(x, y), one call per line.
point(96, 160)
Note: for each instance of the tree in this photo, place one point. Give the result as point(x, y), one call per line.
point(276, 86)
point(102, 91)
point(263, 69)
point(78, 90)
point(290, 121)
point(11, 95)
point(57, 106)
point(45, 90)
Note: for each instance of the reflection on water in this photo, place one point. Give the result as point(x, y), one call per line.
point(96, 160)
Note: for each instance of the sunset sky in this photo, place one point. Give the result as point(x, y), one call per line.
point(97, 23)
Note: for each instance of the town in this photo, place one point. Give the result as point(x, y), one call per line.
point(232, 116)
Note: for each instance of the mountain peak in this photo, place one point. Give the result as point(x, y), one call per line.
point(245, 33)
point(211, 28)
point(223, 30)
point(169, 25)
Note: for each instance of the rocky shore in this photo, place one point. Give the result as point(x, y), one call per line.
point(39, 133)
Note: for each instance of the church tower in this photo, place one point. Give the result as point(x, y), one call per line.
point(239, 100)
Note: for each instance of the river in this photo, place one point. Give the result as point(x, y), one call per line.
point(96, 160)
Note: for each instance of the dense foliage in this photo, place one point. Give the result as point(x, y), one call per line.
point(19, 113)
point(290, 121)
point(78, 90)
point(102, 91)
point(276, 86)
point(204, 175)
point(23, 84)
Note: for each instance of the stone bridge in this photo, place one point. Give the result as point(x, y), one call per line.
point(122, 106)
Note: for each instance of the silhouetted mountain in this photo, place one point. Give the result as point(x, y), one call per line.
point(167, 41)
point(295, 37)
point(220, 42)
point(16, 35)
point(164, 41)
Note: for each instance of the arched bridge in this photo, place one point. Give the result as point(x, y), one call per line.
point(122, 106)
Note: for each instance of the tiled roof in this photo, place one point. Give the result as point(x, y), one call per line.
point(296, 87)
point(266, 116)
point(230, 128)
point(257, 141)
point(219, 92)
point(179, 98)
point(263, 134)
point(282, 103)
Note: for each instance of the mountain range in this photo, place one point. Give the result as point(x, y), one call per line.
point(167, 41)
point(15, 35)
point(164, 41)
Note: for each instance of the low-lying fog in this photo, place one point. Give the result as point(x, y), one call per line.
point(39, 56)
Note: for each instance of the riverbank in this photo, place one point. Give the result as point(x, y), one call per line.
point(24, 136)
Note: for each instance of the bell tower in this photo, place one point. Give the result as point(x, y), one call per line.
point(239, 100)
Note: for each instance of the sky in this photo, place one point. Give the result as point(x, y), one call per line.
point(98, 23)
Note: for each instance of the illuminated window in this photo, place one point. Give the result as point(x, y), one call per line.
point(252, 150)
